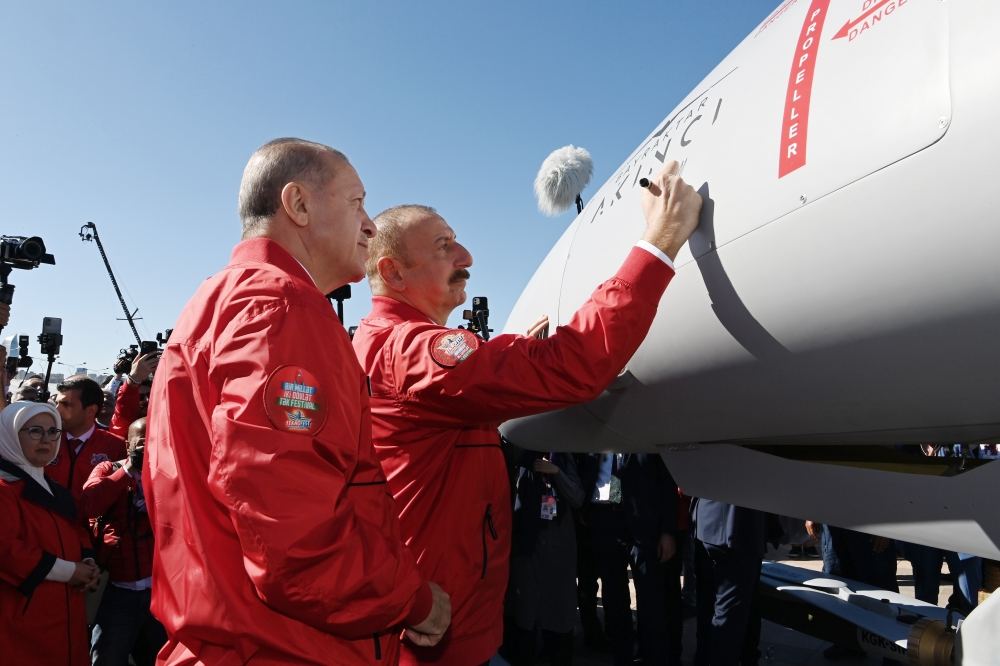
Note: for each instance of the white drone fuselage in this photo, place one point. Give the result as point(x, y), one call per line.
point(842, 290)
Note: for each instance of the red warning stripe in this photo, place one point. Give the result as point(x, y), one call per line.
point(795, 122)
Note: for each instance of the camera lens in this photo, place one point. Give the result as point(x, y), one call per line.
point(31, 248)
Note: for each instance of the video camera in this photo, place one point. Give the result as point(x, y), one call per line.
point(25, 252)
point(126, 357)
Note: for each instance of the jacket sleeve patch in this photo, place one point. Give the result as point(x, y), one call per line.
point(450, 348)
point(294, 401)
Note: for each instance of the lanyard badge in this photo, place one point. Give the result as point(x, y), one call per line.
point(548, 507)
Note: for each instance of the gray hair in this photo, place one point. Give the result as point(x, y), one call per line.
point(388, 241)
point(274, 165)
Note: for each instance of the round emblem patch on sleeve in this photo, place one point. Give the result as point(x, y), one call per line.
point(450, 348)
point(294, 401)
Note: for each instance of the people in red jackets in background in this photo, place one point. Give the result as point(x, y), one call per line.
point(113, 499)
point(276, 540)
point(84, 445)
point(45, 564)
point(439, 394)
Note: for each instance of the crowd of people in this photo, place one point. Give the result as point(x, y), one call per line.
point(296, 496)
point(70, 480)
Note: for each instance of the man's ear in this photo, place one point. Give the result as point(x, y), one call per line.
point(92, 411)
point(389, 272)
point(294, 202)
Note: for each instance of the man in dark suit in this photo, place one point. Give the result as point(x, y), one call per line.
point(729, 544)
point(632, 516)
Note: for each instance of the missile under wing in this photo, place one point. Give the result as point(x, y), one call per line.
point(842, 289)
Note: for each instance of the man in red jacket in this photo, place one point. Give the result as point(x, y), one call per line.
point(113, 498)
point(84, 445)
point(276, 540)
point(132, 400)
point(438, 394)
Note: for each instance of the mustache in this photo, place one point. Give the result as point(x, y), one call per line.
point(460, 274)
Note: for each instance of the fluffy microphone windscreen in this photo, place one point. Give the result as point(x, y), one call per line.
point(564, 174)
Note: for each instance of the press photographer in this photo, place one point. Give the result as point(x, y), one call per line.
point(132, 400)
point(114, 500)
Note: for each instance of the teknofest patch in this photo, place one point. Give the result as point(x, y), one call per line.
point(294, 401)
point(450, 348)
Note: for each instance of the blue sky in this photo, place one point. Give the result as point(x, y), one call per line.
point(140, 116)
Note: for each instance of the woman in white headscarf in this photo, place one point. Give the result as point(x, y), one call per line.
point(43, 549)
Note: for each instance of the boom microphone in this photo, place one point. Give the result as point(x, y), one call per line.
point(564, 174)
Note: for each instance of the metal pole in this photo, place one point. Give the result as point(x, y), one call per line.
point(111, 274)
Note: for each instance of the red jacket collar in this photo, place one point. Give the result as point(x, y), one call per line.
point(267, 251)
point(386, 307)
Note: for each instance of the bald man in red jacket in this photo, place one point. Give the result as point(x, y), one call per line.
point(276, 541)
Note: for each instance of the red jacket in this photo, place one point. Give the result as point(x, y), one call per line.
point(71, 470)
point(276, 539)
point(438, 396)
point(113, 499)
point(126, 409)
point(41, 621)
